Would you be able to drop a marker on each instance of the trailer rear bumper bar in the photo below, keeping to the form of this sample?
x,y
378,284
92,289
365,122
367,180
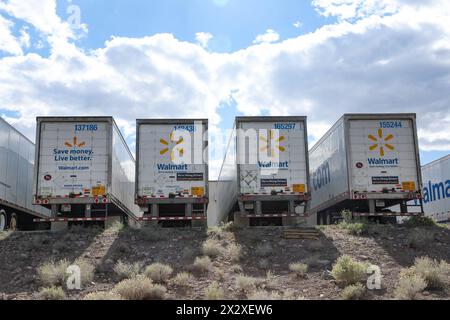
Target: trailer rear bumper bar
x,y
150,201
71,201
279,197
69,219
388,214
386,196
193,218
275,215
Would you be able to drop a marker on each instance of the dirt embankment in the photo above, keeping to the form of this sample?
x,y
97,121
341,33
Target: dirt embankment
x,y
263,259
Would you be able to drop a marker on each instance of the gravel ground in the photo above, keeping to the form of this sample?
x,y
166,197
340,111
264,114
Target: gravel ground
x,y
263,250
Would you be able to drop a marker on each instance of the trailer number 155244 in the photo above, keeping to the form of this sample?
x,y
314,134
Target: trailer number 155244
x,y
390,124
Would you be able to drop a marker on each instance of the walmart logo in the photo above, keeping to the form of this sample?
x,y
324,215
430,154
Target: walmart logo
x,y
272,144
75,143
174,145
381,143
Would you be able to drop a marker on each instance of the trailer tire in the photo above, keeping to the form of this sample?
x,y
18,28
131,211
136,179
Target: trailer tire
x,y
13,222
3,220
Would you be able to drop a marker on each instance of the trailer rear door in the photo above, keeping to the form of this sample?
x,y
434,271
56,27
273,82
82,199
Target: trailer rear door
x,y
383,156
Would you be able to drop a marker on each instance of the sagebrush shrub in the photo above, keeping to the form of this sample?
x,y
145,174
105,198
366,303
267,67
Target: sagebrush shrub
x,y
53,273
102,296
202,264
52,293
246,284
436,274
140,288
127,270
409,286
234,252
183,279
354,292
299,269
347,271
158,272
212,248
214,292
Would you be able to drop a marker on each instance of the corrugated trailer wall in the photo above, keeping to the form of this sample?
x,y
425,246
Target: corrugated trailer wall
x,y
16,173
84,168
436,189
264,179
367,163
172,169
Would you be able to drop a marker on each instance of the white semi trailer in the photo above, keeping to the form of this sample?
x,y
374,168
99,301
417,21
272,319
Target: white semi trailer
x,y
367,163
264,177
16,181
172,170
84,171
436,189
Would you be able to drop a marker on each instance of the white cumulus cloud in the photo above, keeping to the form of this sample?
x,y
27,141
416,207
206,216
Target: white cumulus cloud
x,y
203,38
268,37
393,62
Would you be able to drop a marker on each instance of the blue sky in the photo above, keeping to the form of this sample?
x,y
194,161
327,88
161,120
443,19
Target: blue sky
x,y
234,23
322,59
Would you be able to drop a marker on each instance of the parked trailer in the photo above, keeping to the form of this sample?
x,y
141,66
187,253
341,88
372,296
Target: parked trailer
x,y
367,163
264,179
172,170
436,189
16,181
84,171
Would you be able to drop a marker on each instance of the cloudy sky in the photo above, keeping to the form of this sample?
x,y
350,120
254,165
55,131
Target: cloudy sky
x,y
221,58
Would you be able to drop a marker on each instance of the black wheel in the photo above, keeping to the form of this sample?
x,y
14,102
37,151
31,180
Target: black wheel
x,y
13,222
3,220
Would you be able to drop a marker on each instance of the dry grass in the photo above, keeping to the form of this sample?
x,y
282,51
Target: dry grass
x,y
140,288
52,293
212,248
103,296
214,292
299,269
87,271
409,287
234,252
183,279
436,274
53,273
347,271
202,264
158,272
354,292
246,284
127,270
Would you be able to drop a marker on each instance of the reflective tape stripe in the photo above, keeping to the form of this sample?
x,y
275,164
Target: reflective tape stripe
x,y
69,219
172,218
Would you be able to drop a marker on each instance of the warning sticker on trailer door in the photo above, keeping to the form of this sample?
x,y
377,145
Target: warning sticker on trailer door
x,y
273,183
385,180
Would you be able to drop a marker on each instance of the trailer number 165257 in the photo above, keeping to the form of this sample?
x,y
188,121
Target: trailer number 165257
x,y
390,124
86,127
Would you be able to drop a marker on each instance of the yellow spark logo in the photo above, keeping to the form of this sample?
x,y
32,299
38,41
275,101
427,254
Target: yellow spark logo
x,y
75,143
176,149
272,144
381,142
